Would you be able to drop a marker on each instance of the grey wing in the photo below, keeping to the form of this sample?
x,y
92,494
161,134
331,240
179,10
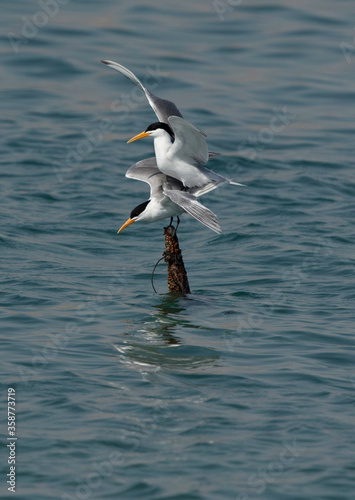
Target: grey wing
x,y
161,107
192,206
189,145
210,186
147,171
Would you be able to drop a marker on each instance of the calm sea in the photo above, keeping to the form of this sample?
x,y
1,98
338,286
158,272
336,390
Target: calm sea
x,y
245,389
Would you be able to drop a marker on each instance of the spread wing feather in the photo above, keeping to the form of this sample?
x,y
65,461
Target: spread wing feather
x,y
189,145
147,171
192,206
161,107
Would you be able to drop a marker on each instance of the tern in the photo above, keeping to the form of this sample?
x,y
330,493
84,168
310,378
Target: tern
x,y
180,148
168,198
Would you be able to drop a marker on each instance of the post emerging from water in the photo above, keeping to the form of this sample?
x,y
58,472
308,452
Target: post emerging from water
x,y
177,276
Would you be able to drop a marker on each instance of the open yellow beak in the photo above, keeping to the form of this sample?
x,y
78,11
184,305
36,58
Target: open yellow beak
x,y
126,224
139,136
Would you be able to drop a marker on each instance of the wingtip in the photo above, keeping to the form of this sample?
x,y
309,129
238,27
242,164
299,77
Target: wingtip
x,y
235,183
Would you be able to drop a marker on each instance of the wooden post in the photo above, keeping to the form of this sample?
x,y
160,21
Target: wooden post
x,y
177,276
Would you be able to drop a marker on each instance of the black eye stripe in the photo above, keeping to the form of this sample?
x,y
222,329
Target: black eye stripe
x,y
164,126
138,210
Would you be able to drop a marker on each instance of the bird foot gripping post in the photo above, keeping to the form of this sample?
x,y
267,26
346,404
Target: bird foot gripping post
x,y
177,276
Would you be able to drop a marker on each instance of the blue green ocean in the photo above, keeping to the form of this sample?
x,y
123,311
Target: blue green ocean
x,y
245,389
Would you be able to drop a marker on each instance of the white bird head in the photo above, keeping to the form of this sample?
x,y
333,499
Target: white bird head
x,y
136,214
157,129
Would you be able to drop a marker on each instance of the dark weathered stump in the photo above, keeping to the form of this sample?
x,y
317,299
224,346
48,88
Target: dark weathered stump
x,y
177,276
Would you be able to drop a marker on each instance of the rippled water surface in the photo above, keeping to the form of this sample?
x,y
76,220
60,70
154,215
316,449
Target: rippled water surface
x,y
244,389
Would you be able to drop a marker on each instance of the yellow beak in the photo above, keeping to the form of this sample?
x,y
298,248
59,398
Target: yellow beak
x,y
139,136
126,224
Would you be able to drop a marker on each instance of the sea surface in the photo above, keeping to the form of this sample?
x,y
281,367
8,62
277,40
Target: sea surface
x,y
245,389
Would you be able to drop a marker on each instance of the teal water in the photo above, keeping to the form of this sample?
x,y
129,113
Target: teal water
x,y
245,389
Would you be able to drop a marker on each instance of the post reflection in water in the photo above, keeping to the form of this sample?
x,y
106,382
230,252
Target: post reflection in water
x,y
167,318
149,344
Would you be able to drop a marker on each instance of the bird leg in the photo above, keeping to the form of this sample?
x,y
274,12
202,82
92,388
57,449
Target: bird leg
x,y
171,223
178,222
